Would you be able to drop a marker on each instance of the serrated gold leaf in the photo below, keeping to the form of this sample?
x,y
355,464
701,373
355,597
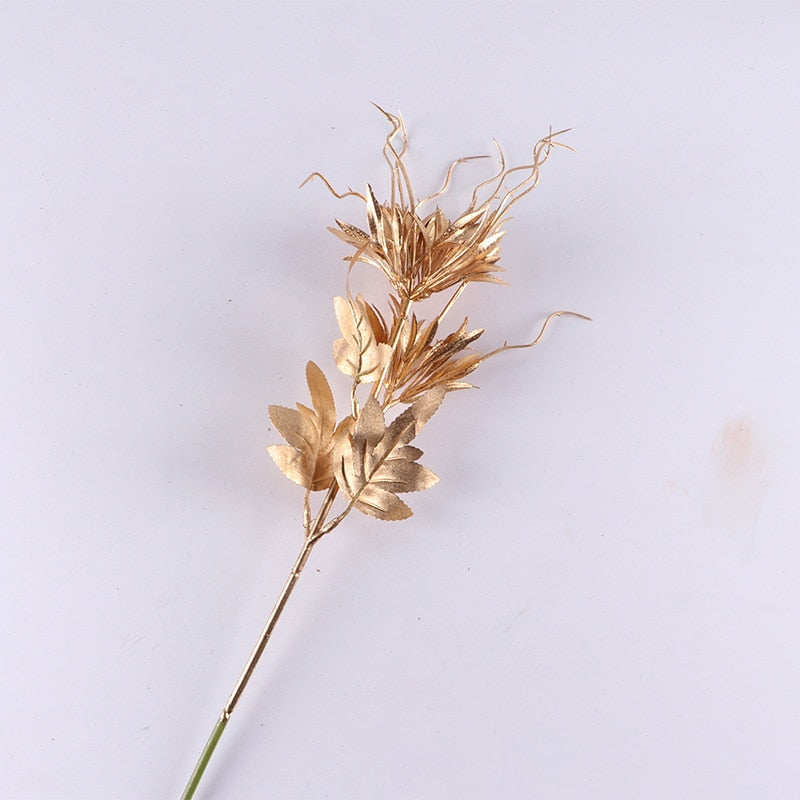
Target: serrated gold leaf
x,y
410,422
359,353
368,432
308,458
370,425
408,452
400,475
385,505
321,398
293,426
291,463
376,462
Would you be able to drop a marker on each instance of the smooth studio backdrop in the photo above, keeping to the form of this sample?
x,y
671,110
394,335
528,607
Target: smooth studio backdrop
x,y
600,599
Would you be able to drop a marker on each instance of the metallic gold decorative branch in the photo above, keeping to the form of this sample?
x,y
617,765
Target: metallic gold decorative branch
x,y
361,458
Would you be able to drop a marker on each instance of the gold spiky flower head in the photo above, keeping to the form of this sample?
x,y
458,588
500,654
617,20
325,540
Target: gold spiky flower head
x,y
424,253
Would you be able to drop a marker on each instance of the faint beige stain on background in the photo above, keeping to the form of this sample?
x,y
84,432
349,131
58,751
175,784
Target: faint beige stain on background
x,y
740,470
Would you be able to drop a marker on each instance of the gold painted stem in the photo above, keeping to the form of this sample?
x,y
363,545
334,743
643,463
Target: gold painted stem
x,y
314,535
269,626
405,308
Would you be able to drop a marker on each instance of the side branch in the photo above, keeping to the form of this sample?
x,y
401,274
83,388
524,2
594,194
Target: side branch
x,y
550,317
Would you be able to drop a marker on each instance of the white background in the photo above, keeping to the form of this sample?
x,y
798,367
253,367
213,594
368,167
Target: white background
x,y
599,600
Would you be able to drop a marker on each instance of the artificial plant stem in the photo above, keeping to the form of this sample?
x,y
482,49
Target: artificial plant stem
x,y
308,543
269,626
205,756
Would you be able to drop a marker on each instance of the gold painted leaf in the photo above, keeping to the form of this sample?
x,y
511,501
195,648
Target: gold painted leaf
x,y
374,216
350,233
383,504
295,427
401,475
308,458
359,353
291,463
321,398
375,462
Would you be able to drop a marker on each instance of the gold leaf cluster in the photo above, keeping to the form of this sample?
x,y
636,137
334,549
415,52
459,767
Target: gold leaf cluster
x,y
424,362
402,358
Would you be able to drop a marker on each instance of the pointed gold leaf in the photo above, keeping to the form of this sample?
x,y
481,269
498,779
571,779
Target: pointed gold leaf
x,y
377,322
377,224
351,232
469,218
373,213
